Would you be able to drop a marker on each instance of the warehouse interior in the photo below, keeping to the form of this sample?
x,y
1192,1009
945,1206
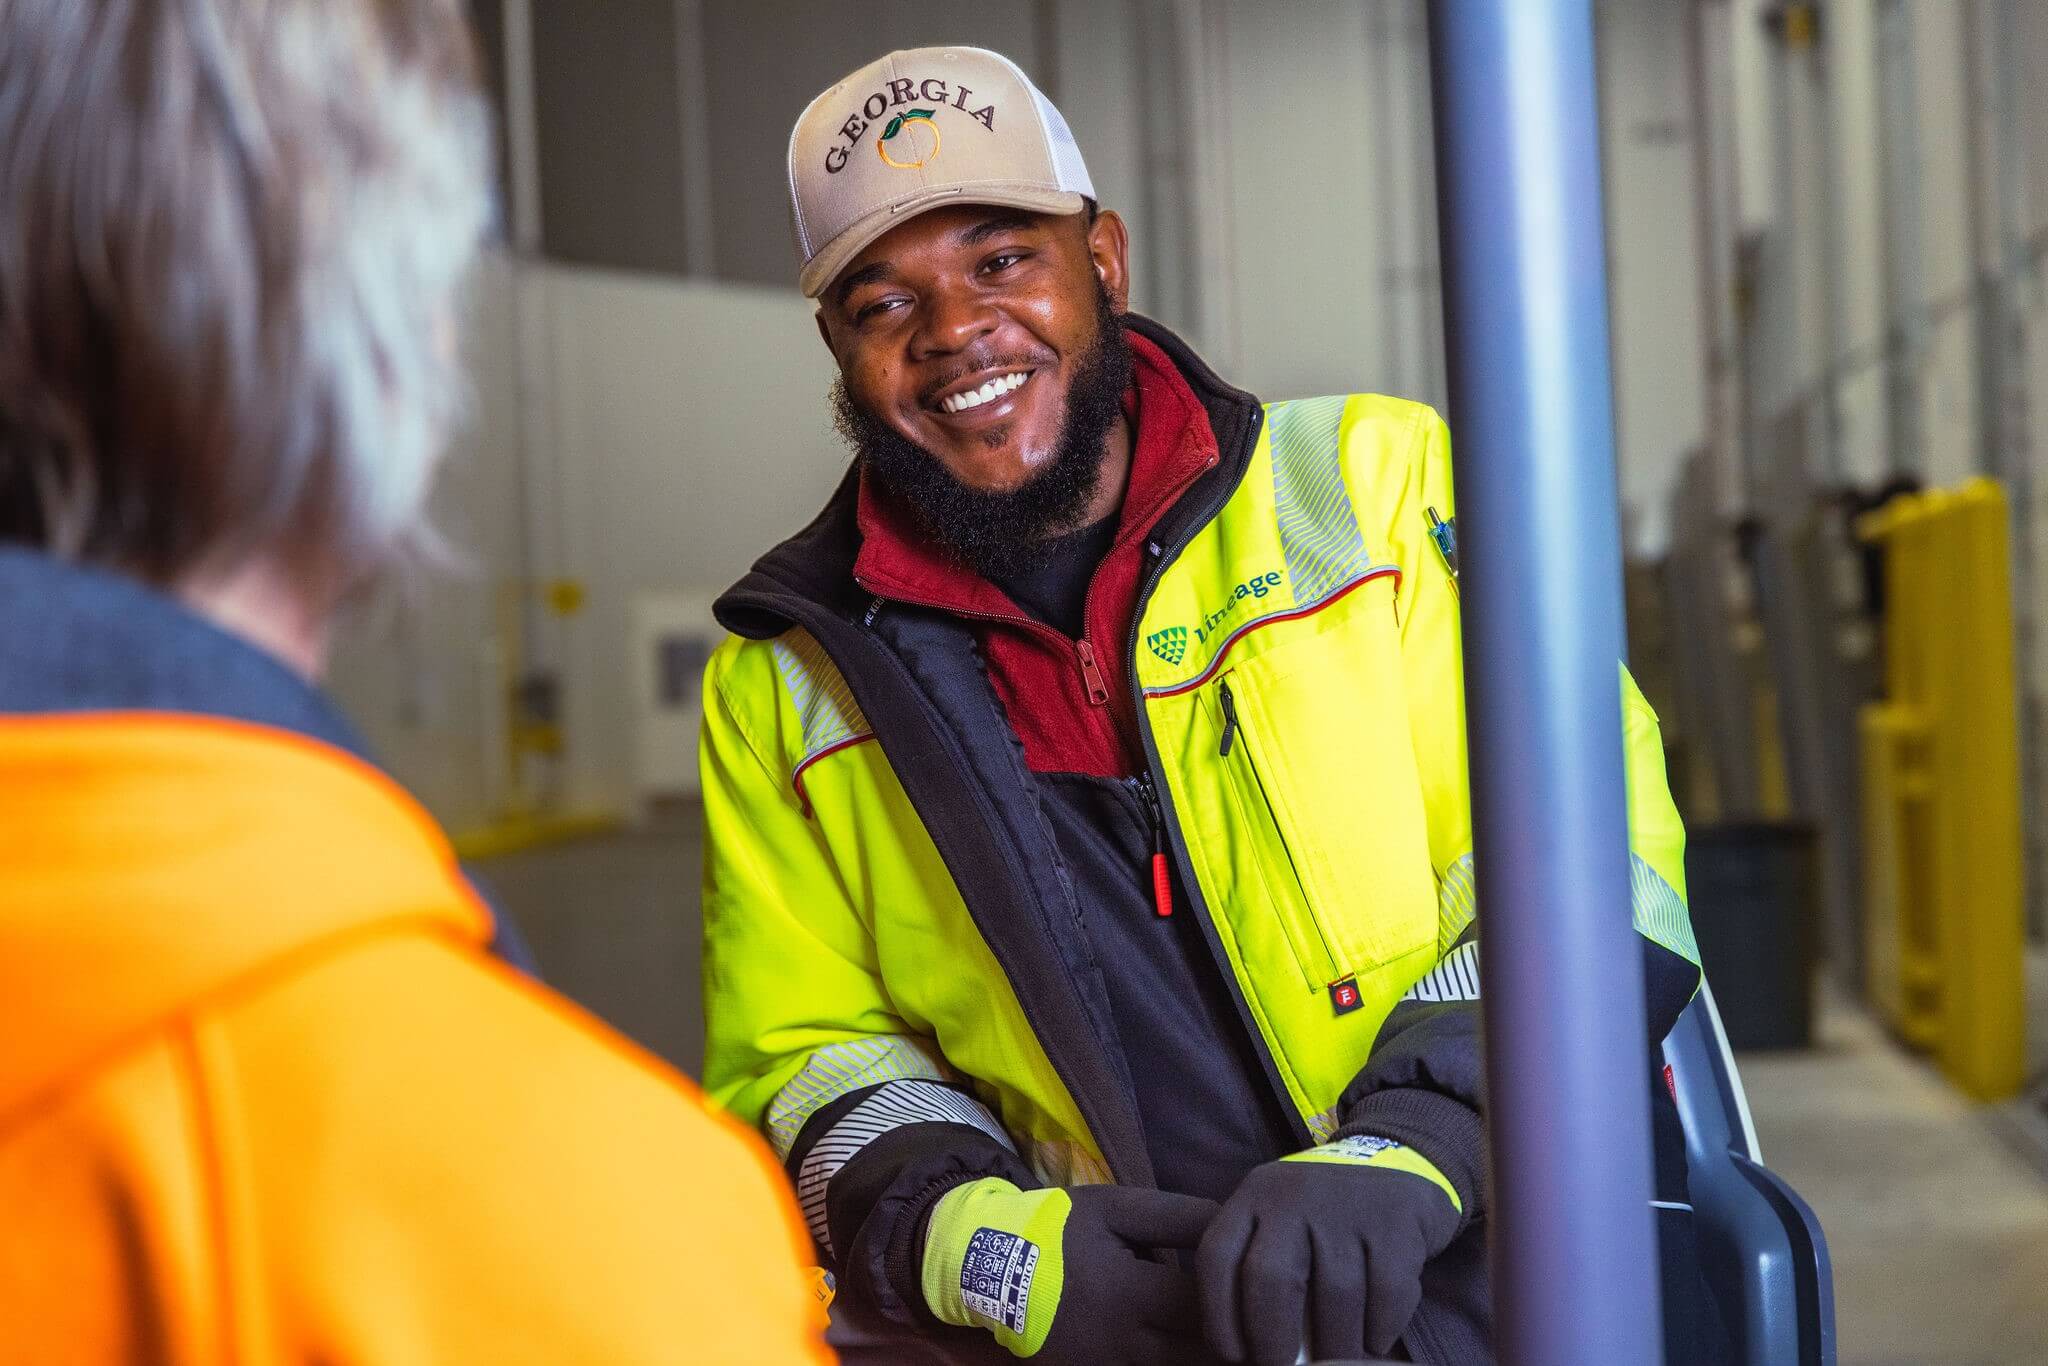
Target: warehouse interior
x,y
1826,226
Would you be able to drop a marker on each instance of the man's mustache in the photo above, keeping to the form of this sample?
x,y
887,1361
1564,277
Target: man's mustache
x,y
974,362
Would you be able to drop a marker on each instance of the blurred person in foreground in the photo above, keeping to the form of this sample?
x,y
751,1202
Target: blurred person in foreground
x,y
1089,871
264,1093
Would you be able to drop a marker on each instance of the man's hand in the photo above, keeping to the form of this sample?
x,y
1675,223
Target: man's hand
x,y
1330,1242
1055,1274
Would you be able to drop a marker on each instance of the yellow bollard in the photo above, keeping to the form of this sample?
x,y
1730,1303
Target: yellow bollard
x,y
1945,924
1984,977
1897,863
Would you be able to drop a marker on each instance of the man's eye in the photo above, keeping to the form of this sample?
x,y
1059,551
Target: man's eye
x,y
869,312
1002,261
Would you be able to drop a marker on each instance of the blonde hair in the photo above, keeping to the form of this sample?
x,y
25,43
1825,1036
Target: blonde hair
x,y
232,236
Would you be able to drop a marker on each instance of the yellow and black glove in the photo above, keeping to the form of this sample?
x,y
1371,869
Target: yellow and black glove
x,y
1057,1275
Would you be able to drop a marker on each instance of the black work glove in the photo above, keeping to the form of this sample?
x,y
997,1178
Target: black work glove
x,y
1055,1274
1327,1243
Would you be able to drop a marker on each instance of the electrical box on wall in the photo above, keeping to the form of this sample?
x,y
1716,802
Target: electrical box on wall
x,y
670,638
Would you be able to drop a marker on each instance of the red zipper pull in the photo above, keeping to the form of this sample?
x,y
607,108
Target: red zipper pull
x,y
1162,876
1098,691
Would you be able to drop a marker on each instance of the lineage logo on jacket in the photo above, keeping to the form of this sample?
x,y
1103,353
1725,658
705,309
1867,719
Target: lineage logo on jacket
x,y
1171,644
1257,586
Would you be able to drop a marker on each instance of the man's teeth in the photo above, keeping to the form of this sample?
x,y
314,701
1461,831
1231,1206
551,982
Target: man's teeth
x,y
974,398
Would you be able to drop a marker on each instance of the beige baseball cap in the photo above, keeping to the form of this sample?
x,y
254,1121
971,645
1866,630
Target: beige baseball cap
x,y
915,130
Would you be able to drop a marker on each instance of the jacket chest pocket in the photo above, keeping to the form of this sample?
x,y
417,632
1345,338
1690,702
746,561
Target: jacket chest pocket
x,y
1313,750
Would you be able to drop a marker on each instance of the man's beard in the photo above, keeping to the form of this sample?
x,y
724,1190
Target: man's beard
x,y
1001,534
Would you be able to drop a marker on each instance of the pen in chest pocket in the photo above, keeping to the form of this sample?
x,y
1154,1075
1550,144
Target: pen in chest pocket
x,y
1445,534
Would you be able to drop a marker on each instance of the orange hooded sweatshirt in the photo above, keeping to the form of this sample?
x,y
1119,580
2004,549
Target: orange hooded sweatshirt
x,y
264,1097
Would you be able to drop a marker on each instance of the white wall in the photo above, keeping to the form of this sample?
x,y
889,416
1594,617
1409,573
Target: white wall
x,y
1857,178
1327,203
690,433
1943,325
1331,221
1653,253
2031,289
695,435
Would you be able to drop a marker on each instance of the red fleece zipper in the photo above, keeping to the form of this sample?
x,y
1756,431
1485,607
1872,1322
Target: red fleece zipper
x,y
1098,691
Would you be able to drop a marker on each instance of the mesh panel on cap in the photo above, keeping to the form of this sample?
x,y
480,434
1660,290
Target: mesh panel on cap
x,y
1067,165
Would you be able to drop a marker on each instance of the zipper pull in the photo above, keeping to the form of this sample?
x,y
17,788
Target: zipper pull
x,y
1229,717
874,610
1098,691
1162,876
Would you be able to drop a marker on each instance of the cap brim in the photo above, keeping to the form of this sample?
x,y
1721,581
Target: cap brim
x,y
821,270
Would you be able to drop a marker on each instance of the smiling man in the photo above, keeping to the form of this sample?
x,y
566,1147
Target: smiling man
x,y
1088,867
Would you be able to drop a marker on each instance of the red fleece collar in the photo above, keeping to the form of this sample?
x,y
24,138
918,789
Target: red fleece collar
x,y
1173,446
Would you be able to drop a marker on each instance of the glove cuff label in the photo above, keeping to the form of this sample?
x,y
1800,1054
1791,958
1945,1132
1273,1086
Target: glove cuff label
x,y
1367,1150
1359,1147
995,1278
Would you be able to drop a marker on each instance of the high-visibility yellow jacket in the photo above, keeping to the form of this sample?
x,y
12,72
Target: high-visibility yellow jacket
x,y
878,948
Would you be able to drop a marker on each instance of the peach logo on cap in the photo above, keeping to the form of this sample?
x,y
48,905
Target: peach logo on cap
x,y
918,124
921,147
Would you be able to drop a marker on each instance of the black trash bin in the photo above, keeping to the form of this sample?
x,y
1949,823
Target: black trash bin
x,y
1755,892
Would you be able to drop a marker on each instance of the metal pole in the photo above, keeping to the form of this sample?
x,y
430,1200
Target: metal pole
x,y
1525,297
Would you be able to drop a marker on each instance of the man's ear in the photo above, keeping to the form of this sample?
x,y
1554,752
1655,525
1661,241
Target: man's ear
x,y
1109,247
824,332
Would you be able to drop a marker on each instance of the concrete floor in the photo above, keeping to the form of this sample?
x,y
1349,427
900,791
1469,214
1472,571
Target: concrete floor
x,y
1939,1228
